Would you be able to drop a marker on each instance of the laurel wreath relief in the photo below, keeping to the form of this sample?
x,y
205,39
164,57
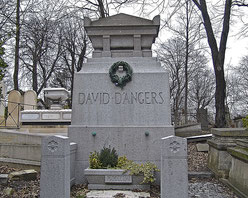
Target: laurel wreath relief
x,y
117,80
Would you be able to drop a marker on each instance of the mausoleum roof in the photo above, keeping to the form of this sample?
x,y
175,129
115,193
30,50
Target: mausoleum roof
x,y
122,20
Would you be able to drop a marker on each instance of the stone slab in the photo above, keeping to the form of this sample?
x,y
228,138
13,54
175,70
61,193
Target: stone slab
x,y
242,143
21,151
30,100
234,188
118,187
230,132
199,138
8,191
41,116
114,193
3,178
238,173
118,179
202,147
142,102
19,163
25,175
200,175
14,99
115,179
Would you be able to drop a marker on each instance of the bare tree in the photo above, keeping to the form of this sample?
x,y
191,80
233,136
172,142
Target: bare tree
x,y
202,84
237,88
172,56
187,27
75,52
41,44
218,51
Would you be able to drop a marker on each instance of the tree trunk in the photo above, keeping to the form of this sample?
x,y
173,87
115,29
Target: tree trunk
x,y
17,46
220,96
101,9
218,57
186,64
34,74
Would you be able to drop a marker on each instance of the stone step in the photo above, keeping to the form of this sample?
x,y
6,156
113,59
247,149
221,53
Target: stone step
x,y
116,193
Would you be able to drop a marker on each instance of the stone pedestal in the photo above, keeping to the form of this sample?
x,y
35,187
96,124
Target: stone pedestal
x,y
55,167
174,168
219,160
132,119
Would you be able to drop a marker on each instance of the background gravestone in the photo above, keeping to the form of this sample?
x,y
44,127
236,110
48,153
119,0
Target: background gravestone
x,y
132,118
30,100
14,99
2,102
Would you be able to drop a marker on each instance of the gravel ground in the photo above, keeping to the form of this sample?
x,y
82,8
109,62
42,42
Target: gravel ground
x,y
197,161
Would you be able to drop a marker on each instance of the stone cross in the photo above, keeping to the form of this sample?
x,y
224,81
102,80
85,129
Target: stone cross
x,y
174,167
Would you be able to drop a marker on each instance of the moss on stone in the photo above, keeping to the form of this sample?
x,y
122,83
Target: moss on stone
x,y
240,153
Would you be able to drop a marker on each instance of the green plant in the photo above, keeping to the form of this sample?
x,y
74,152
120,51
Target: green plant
x,y
148,169
245,122
108,157
122,161
94,160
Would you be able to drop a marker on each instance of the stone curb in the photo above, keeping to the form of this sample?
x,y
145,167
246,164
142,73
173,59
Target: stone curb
x,y
201,175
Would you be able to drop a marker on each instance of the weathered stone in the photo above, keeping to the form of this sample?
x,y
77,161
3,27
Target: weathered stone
x,y
239,167
55,167
8,191
174,168
41,116
115,193
219,160
57,96
131,36
3,178
2,105
30,100
202,117
25,175
14,101
115,179
202,147
132,119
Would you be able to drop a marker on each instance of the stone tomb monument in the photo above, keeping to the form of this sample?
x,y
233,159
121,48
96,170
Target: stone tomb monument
x,y
121,95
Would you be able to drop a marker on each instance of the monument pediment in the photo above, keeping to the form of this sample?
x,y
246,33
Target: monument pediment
x,y
122,20
122,35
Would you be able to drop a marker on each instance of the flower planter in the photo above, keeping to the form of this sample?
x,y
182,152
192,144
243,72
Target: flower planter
x,y
115,179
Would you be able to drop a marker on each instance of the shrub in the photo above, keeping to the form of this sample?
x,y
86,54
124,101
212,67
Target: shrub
x,y
148,169
122,162
108,157
94,160
245,122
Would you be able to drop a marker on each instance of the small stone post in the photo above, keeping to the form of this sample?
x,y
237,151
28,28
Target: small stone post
x,y
55,167
174,168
